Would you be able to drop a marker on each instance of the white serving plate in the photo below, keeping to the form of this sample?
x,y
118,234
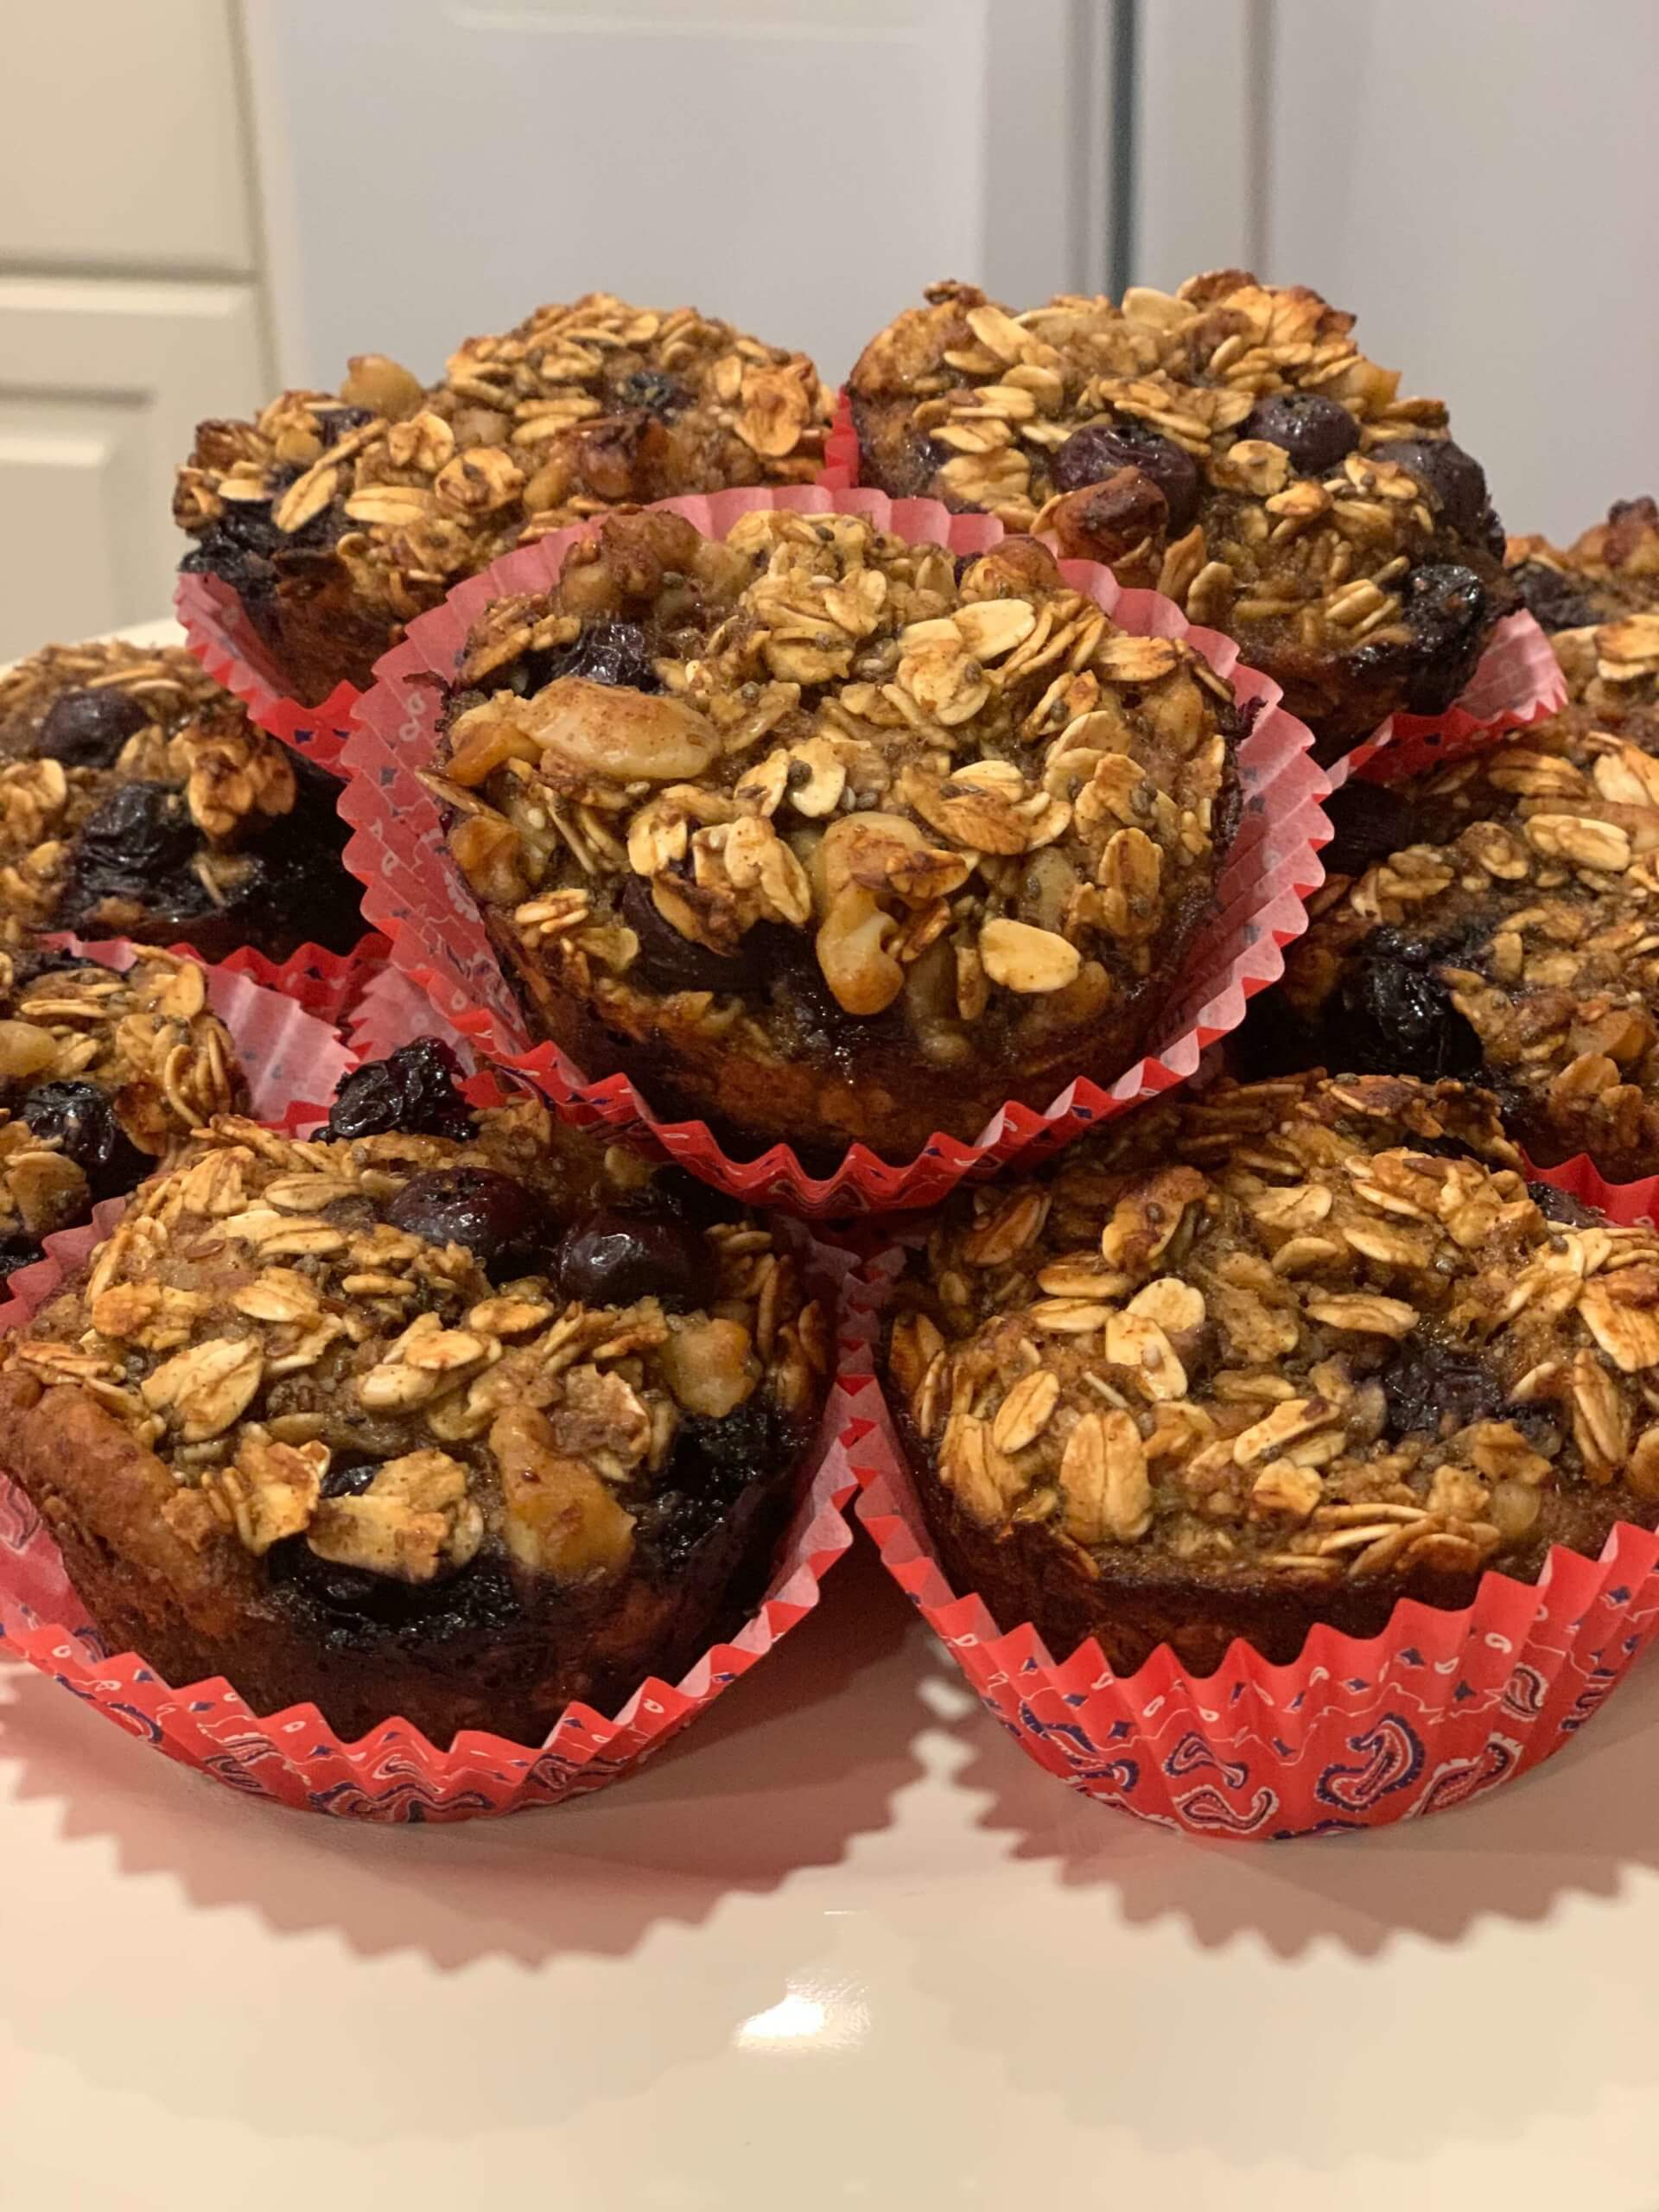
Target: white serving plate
x,y
842,1946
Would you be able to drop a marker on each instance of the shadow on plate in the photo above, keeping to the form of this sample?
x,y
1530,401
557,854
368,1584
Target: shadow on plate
x,y
804,1754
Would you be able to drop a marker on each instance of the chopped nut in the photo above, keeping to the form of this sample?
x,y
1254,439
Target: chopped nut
x,y
1021,958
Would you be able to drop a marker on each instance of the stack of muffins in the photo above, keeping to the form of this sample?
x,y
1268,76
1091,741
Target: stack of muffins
x,y
831,828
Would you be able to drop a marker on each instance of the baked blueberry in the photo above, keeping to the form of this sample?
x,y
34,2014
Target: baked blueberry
x,y
500,1220
79,1119
1100,449
413,1089
87,729
1251,409
1316,432
615,1258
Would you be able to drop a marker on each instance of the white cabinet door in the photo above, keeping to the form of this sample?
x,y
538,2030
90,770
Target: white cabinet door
x,y
124,147
101,386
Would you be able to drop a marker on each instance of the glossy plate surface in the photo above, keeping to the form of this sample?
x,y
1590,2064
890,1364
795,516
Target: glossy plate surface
x,y
845,1946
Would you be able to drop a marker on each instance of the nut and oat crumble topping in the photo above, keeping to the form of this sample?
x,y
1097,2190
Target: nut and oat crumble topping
x,y
1311,1331
101,1075
369,1345
978,801
1228,444
578,408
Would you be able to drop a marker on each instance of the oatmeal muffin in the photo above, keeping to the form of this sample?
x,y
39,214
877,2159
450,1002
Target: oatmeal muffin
x,y
338,519
1282,1355
1228,445
1613,569
101,1076
1498,919
820,839
137,800
451,1416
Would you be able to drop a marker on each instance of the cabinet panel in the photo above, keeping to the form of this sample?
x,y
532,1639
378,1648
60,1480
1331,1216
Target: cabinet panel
x,y
122,140
101,386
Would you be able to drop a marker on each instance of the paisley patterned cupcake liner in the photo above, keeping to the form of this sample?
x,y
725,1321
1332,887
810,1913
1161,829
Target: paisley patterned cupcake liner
x,y
1354,1733
1518,680
415,894
394,1773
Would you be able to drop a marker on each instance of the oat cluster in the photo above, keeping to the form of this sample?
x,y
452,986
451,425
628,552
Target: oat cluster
x,y
580,408
195,737
973,402
975,792
308,1369
1311,1331
1531,899
145,1037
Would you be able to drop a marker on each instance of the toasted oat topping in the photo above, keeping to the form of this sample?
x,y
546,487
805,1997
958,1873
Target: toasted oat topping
x,y
1310,1330
145,1040
1529,901
1146,435
580,408
189,735
1611,570
976,792
274,1320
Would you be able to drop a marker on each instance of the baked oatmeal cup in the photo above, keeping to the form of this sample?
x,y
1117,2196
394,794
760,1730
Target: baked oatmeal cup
x,y
446,1414
137,800
1227,444
1277,1355
1496,918
1609,570
336,518
103,1074
823,836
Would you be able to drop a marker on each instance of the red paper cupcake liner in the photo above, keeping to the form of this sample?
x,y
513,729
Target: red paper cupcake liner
x,y
330,985
416,896
1517,682
219,634
393,1010
840,470
394,1773
1354,1733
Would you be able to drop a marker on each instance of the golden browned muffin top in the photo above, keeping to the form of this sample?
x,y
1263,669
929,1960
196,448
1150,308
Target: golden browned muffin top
x,y
971,794
580,407
405,1350
1228,443
1309,1329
